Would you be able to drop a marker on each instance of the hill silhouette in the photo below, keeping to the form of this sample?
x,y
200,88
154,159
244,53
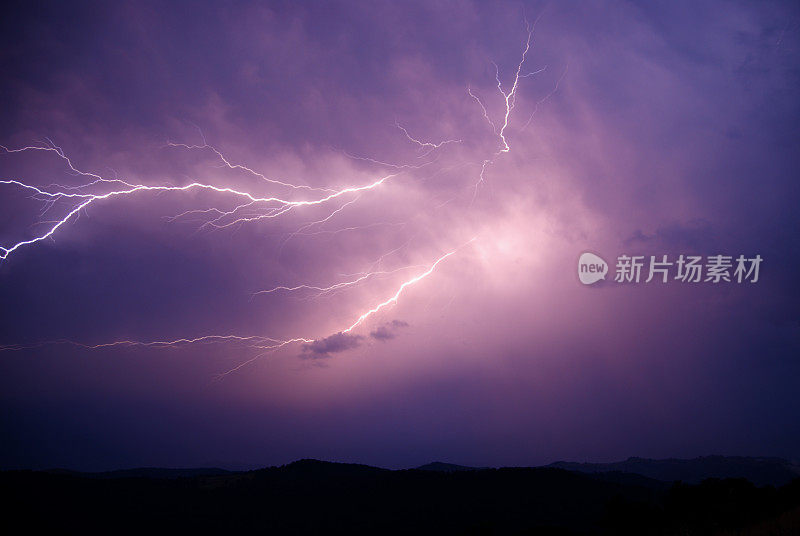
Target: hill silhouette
x,y
446,467
760,471
315,497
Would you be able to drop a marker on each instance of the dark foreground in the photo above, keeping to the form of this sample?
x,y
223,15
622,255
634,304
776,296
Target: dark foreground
x,y
311,497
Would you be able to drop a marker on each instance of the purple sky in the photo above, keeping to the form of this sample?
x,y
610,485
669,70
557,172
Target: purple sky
x,y
653,128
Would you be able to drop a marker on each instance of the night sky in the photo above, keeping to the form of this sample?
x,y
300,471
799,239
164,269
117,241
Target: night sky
x,y
652,128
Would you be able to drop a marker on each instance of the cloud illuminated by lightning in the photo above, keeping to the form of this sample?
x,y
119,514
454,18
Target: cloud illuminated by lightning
x,y
249,207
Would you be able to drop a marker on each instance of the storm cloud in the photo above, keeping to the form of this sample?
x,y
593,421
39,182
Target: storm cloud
x,y
645,128
338,342
388,330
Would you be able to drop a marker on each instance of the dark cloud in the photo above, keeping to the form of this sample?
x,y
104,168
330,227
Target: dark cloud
x,y
696,235
388,330
333,344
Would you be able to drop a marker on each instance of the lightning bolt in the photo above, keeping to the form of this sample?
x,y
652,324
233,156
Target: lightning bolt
x,y
392,300
256,342
84,200
337,286
430,146
509,100
241,167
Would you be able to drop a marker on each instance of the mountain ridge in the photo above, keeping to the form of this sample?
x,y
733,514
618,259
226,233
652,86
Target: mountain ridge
x,y
315,497
760,471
